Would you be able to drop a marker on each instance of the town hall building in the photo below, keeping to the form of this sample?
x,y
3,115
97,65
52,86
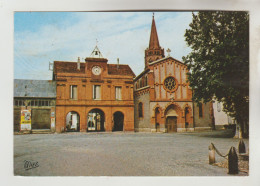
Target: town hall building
x,y
93,95
163,97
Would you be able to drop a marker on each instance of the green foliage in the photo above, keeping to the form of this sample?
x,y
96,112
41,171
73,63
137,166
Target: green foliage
x,y
219,61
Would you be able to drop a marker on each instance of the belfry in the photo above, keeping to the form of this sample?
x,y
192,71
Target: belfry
x,y
154,51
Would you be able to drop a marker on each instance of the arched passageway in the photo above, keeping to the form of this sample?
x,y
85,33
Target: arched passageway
x,y
96,120
72,122
118,121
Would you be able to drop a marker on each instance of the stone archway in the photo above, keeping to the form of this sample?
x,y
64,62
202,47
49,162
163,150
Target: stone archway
x,y
172,117
72,122
95,120
118,121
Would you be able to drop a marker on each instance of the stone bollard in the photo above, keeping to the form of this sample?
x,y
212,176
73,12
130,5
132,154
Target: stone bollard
x,y
241,147
232,161
211,154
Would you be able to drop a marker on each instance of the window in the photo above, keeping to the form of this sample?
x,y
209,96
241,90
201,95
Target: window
x,y
218,107
97,92
118,93
170,84
146,81
140,110
140,83
200,110
73,92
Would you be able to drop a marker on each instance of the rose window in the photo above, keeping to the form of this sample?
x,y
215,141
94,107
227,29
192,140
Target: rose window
x,y
170,84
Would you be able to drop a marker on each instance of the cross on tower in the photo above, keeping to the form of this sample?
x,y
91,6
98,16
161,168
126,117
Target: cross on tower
x,y
168,51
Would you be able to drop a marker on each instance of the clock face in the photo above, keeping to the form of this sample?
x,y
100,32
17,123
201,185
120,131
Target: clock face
x,y
96,70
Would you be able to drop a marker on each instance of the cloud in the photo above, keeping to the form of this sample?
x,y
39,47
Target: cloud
x,y
120,35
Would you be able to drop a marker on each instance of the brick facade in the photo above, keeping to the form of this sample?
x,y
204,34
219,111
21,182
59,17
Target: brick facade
x,y
82,76
164,91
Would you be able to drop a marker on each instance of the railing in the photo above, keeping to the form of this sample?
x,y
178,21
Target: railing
x,y
231,156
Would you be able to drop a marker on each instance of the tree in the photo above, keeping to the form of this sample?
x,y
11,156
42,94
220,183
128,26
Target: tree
x,y
219,61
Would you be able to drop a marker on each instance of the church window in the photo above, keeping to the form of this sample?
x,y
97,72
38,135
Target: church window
x,y
140,83
170,84
140,110
146,81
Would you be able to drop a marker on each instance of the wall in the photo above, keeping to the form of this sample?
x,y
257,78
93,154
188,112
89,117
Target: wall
x,y
206,121
142,124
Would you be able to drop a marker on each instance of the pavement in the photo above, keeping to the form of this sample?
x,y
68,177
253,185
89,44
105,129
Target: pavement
x,y
121,154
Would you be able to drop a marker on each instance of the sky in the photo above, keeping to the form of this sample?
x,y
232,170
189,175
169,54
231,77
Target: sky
x,y
43,37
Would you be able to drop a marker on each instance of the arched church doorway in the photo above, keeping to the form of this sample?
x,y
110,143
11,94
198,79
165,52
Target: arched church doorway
x,y
72,122
171,124
157,119
171,119
96,120
118,121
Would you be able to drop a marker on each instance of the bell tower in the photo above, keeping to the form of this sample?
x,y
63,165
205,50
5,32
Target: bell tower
x,y
154,51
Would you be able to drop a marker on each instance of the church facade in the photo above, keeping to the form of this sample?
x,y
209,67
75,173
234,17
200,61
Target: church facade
x,y
162,96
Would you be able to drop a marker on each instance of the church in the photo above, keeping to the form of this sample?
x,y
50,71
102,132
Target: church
x,y
163,97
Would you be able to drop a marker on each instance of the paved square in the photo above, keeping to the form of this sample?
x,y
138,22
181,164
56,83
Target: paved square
x,y
121,154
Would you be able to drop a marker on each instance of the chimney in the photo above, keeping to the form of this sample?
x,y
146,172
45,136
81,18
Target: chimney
x,y
78,63
117,63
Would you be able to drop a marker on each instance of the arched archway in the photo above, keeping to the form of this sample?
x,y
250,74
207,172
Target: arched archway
x,y
172,115
118,121
95,120
72,122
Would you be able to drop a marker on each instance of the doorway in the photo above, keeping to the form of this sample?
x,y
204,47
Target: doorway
x,y
118,121
171,124
95,121
72,122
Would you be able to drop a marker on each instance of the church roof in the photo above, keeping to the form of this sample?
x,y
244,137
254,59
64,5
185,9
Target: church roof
x,y
154,41
160,60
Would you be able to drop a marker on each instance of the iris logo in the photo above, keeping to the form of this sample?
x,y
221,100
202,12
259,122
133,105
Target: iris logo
x,y
30,165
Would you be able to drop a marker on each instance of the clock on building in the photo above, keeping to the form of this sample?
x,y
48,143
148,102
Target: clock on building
x,y
96,70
